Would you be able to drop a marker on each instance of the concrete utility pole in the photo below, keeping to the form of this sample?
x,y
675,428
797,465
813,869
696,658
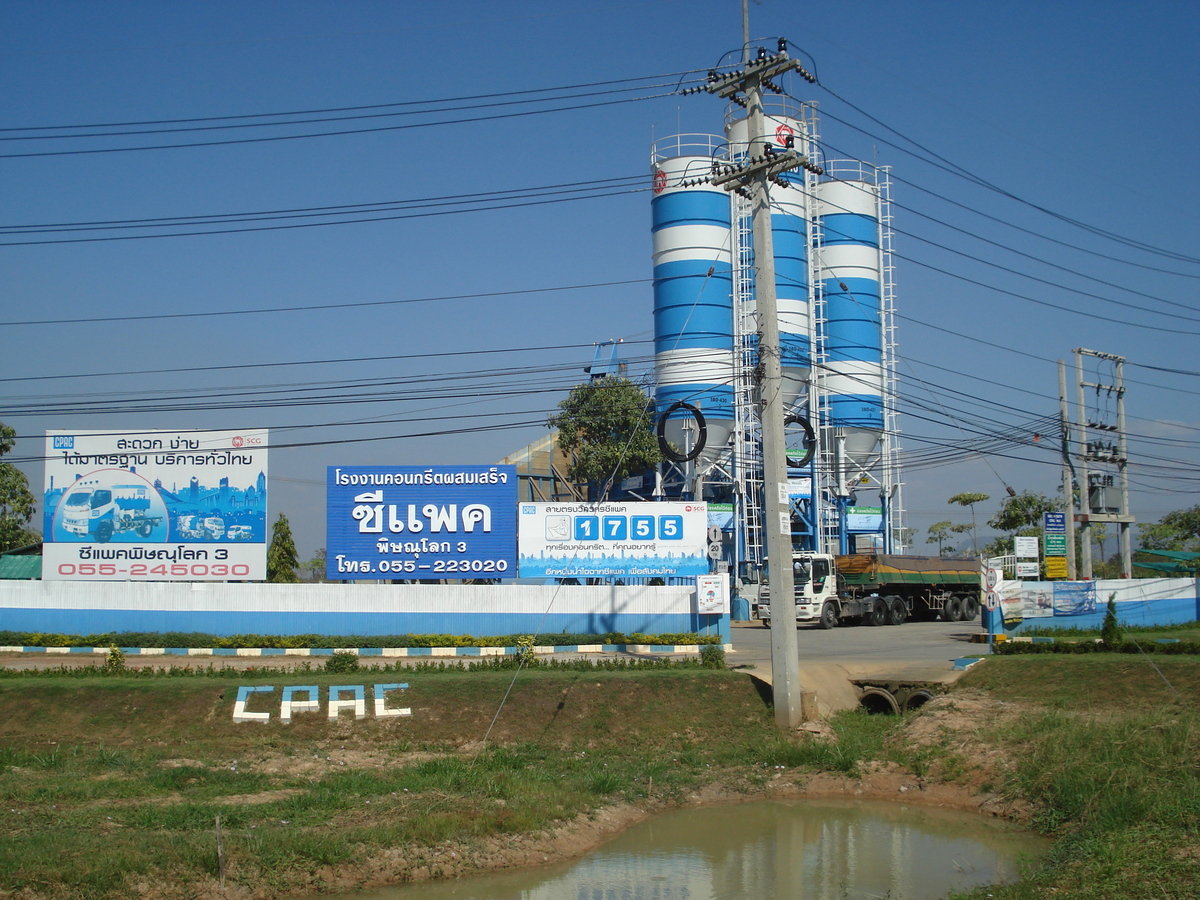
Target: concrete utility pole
x,y
1095,489
1068,480
761,164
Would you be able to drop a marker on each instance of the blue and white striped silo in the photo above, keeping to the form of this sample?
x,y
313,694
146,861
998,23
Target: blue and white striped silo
x,y
693,313
789,234
849,267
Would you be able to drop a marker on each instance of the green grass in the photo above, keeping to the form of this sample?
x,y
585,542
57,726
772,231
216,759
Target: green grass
x,y
1103,749
1188,631
1111,759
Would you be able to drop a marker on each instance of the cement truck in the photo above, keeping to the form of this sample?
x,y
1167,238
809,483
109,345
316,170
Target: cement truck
x,y
101,512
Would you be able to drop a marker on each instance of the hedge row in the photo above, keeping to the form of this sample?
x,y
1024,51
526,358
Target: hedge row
x,y
1180,648
175,639
710,658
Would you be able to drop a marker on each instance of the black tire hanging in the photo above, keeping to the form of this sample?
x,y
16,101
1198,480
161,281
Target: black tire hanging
x,y
667,450
810,440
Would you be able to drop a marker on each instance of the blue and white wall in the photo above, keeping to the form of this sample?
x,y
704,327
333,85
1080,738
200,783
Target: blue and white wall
x,y
1082,604
93,607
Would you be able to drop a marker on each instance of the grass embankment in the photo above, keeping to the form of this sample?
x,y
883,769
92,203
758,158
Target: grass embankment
x,y
114,783
1189,631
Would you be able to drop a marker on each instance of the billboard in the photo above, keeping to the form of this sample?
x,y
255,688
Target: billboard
x,y
639,539
155,506
415,522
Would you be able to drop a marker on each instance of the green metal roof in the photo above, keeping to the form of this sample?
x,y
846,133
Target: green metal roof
x,y
20,567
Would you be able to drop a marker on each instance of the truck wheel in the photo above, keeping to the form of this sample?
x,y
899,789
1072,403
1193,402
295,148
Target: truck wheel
x,y
897,610
952,611
104,532
970,609
829,616
877,614
145,529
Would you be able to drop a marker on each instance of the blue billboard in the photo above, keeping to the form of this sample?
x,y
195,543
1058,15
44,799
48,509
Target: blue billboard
x,y
415,522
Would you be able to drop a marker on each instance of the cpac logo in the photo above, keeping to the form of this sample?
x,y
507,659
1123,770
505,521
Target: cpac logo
x,y
350,698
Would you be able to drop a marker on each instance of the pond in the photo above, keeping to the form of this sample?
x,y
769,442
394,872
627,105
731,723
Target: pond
x,y
801,850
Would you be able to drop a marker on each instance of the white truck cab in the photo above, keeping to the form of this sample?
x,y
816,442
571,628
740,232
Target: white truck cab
x,y
815,590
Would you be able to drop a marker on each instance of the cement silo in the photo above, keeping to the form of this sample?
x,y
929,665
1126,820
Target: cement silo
x,y
693,314
850,274
786,129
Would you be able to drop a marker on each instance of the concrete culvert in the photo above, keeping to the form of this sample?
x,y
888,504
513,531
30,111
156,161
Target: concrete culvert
x,y
877,700
917,699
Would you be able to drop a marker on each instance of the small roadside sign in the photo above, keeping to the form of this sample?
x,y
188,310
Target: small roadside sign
x,y
1027,570
993,601
1056,545
1056,567
1026,547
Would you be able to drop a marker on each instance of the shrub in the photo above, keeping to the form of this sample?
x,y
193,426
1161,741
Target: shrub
x,y
1110,631
116,659
712,656
342,663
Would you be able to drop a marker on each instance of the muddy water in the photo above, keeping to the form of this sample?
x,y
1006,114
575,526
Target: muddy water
x,y
801,850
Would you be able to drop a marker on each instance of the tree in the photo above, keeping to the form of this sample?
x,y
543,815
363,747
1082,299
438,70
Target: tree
x,y
281,555
1178,530
1020,515
605,430
1110,631
939,533
17,503
314,569
970,499
1023,510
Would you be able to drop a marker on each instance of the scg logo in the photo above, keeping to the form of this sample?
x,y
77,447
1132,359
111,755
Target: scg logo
x,y
239,441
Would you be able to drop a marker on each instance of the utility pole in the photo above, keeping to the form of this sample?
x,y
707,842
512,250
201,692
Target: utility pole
x,y
762,164
1096,488
1068,480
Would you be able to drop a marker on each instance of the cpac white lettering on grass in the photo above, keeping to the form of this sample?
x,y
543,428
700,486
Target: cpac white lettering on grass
x,y
307,698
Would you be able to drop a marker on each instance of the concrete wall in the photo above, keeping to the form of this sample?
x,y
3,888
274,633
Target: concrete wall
x,y
92,607
1082,604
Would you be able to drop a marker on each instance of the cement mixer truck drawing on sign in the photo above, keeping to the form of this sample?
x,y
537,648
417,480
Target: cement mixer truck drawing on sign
x,y
102,511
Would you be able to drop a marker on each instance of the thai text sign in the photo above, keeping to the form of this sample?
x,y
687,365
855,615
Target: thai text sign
x,y
421,522
155,506
1056,567
585,540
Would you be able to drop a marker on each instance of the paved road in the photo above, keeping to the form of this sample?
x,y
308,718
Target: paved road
x,y
832,661
912,642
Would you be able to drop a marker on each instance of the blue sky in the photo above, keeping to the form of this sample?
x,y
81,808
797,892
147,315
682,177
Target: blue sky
x,y
1080,118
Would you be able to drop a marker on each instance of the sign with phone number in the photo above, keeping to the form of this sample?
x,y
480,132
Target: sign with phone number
x,y
164,562
638,539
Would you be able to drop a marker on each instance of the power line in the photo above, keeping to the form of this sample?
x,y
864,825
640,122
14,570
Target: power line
x,y
295,309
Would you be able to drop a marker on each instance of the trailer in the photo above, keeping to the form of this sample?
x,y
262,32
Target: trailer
x,y
880,589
